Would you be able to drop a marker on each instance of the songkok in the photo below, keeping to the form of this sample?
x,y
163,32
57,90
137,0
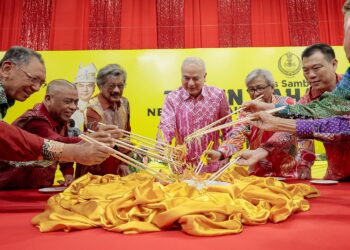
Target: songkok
x,y
86,74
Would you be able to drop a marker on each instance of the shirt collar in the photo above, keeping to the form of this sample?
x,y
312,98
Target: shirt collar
x,y
315,94
339,77
3,97
273,99
105,104
185,95
5,103
41,107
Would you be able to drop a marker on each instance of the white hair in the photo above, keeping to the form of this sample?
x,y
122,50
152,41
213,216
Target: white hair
x,y
260,72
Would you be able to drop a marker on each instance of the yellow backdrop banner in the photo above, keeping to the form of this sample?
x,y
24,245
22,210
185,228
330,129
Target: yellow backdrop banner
x,y
153,73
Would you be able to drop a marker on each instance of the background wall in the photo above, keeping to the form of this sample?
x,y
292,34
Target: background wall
x,y
151,73
124,25
151,24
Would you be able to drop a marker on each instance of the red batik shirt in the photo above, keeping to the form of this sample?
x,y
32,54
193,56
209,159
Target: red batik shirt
x,y
39,121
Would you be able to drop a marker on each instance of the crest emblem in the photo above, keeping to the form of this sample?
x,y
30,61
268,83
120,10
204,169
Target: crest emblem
x,y
289,64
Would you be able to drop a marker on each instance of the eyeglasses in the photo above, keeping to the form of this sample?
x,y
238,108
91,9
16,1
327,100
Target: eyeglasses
x,y
33,79
258,89
113,86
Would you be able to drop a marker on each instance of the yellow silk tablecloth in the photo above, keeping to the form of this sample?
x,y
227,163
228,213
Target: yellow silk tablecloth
x,y
136,203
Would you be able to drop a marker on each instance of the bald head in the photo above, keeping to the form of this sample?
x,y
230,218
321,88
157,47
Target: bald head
x,y
61,100
59,85
194,60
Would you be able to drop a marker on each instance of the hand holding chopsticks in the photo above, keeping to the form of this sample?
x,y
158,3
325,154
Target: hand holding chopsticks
x,y
220,172
243,120
161,149
203,158
128,160
198,132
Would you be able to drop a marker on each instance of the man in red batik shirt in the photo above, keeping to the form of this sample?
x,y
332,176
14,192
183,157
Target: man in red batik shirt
x,y
49,120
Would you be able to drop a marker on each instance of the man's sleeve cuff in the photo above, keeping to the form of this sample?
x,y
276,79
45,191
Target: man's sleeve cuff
x,y
305,128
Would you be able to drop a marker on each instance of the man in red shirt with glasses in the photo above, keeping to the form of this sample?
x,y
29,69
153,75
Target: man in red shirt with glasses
x,y
22,72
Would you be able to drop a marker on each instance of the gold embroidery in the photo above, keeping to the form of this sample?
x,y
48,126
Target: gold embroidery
x,y
52,150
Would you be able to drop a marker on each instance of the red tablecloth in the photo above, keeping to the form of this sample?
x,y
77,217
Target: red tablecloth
x,y
325,226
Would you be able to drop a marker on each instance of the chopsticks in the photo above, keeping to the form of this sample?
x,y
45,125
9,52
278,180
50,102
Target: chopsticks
x,y
217,174
245,119
203,158
199,131
131,147
128,160
142,138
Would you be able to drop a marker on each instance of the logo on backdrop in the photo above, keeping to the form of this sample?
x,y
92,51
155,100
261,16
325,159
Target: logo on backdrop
x,y
289,64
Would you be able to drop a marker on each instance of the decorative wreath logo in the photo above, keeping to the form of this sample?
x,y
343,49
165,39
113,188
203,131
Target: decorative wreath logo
x,y
289,64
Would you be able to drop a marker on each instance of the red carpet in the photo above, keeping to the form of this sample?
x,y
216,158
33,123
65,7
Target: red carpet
x,y
325,226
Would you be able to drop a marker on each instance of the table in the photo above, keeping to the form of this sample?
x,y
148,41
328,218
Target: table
x,y
325,226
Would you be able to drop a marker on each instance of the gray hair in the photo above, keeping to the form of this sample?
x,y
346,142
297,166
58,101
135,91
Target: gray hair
x,y
110,70
20,55
260,72
194,60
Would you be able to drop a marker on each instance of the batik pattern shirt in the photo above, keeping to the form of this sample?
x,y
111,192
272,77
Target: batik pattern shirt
x,y
333,103
183,114
334,132
40,122
306,153
5,103
19,145
101,110
333,129
282,163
